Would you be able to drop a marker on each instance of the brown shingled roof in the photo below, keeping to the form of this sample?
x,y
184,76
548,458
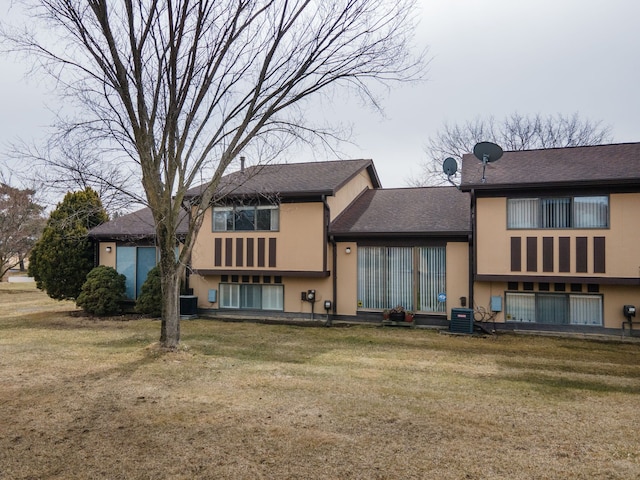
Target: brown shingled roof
x,y
616,164
293,179
406,211
135,225
283,180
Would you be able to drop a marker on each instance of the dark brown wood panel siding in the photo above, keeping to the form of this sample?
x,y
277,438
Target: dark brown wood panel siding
x,y
239,252
581,254
272,252
516,254
547,254
228,252
217,252
599,255
261,251
532,254
249,252
564,254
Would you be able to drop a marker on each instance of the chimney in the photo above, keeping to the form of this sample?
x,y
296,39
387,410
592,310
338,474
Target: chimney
x,y
242,164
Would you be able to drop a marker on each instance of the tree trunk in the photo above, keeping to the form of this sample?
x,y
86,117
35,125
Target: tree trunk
x,y
170,280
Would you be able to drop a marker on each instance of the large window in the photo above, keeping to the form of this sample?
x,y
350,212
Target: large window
x,y
554,308
558,212
407,276
252,296
135,263
246,218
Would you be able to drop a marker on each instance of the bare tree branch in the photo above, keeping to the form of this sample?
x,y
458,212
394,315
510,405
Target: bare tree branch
x,y
514,132
184,86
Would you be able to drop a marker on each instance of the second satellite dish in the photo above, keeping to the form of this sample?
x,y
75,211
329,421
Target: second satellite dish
x,y
450,166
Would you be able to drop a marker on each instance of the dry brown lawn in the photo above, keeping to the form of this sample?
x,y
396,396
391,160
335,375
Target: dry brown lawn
x,y
96,399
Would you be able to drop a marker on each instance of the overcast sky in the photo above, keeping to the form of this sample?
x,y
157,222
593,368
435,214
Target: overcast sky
x,y
489,58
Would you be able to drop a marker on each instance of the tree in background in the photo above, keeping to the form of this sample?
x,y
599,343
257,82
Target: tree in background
x,y
21,222
62,258
183,88
514,132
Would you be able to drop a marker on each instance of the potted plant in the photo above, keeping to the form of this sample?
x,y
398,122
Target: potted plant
x,y
408,316
397,313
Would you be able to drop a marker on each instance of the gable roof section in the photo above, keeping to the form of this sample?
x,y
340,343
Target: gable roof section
x,y
292,179
430,211
283,180
599,165
136,225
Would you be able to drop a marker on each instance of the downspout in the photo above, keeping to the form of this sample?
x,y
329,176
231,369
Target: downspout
x,y
334,275
472,249
334,257
327,218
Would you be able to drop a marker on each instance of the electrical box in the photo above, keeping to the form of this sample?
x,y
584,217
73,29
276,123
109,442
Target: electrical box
x,y
629,311
213,295
496,303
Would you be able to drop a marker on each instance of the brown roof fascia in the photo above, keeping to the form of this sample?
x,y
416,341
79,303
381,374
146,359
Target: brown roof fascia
x,y
629,184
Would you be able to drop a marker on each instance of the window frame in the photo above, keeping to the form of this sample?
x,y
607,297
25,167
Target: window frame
x,y
545,209
411,276
232,217
240,293
571,304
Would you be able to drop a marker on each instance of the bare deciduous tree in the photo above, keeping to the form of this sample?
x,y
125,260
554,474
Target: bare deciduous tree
x,y
21,223
184,86
514,132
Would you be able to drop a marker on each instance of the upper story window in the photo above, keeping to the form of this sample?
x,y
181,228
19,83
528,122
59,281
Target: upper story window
x,y
246,218
558,212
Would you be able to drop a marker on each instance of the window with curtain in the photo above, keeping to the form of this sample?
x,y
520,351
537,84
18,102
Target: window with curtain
x,y
591,212
432,278
522,213
554,308
387,277
251,296
558,212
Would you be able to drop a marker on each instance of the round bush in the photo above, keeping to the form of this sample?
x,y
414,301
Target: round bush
x,y
102,292
150,299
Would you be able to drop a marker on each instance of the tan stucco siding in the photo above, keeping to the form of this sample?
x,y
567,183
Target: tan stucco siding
x,y
492,236
614,297
347,278
107,258
348,193
299,242
622,247
457,274
292,288
622,257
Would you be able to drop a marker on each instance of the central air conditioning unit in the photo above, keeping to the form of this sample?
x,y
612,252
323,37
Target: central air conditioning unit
x,y
461,320
188,306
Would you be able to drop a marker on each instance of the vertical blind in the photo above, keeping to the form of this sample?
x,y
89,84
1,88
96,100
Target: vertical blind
x,y
558,212
386,277
586,310
522,213
591,212
432,278
554,308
